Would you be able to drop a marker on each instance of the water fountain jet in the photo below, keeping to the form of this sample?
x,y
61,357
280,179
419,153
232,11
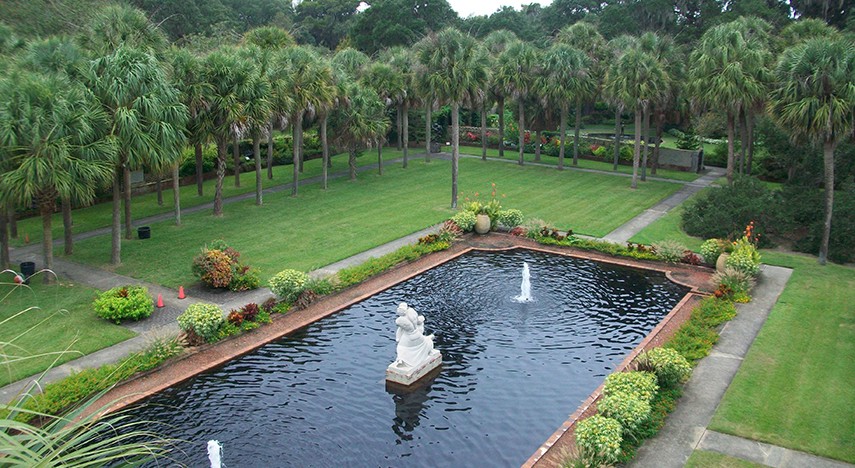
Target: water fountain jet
x,y
525,287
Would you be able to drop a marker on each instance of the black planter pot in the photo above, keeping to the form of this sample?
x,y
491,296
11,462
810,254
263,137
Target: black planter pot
x,y
144,232
434,147
28,269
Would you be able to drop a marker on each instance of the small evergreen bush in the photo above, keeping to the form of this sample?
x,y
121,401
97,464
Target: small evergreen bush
x,y
627,408
642,384
670,367
202,319
510,218
711,249
744,258
724,212
124,303
288,284
465,220
598,439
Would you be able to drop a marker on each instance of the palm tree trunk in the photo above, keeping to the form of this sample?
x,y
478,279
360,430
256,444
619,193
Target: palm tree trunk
x,y
379,156
483,131
300,146
730,135
325,150
256,153
4,239
127,203
116,252
67,225
296,128
500,104
158,185
13,222
399,124
176,194
750,117
646,133
47,240
743,142
427,132
199,176
405,129
618,136
578,125
236,157
522,130
455,150
637,153
270,150
351,164
660,123
221,175
828,163
562,142
537,142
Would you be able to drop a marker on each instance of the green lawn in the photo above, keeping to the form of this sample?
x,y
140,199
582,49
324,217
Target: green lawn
x,y
705,459
795,386
321,227
668,228
63,321
100,215
513,155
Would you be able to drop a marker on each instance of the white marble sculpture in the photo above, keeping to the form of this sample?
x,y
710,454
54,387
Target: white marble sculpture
x,y
415,353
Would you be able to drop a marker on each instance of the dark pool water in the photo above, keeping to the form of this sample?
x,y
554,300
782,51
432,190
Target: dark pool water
x,y
512,373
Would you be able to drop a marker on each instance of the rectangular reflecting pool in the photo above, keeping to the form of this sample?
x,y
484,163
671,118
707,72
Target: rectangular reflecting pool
x,y
511,374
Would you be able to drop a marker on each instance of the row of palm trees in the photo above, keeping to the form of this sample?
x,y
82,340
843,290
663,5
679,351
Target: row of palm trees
x,y
77,115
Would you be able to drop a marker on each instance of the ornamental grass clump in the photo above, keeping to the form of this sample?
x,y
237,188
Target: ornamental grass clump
x,y
201,322
642,384
598,439
670,367
288,284
627,408
124,303
669,250
733,284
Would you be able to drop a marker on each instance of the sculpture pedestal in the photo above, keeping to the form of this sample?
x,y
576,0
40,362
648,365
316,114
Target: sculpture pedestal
x,y
407,376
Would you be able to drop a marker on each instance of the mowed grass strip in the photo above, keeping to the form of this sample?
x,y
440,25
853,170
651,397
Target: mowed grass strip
x,y
668,228
61,321
795,386
321,227
706,459
145,205
513,155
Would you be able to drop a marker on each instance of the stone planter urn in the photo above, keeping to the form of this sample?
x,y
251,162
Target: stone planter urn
x,y
719,263
482,224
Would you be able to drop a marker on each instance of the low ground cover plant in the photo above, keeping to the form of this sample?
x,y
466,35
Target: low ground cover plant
x,y
124,303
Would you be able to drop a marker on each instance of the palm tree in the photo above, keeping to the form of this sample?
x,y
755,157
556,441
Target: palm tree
x,y
304,77
359,123
389,86
232,83
516,72
728,69
636,80
402,60
118,26
814,100
55,137
186,72
496,43
567,78
454,65
259,111
147,120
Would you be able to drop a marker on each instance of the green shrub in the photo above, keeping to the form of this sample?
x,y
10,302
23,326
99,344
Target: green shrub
x,y
669,250
696,337
724,212
670,367
627,408
218,266
711,249
244,279
464,219
733,284
288,284
744,258
800,215
357,274
598,439
124,303
202,319
642,384
510,218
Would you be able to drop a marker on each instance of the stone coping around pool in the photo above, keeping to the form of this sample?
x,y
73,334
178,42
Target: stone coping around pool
x,y
207,357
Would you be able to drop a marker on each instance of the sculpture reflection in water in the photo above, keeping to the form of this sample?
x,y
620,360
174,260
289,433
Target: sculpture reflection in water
x,y
416,357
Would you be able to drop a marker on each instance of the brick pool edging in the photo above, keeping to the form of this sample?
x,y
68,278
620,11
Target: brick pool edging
x,y
210,356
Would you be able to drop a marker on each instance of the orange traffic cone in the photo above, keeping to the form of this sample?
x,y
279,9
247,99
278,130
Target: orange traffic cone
x,y
160,300
26,238
181,292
